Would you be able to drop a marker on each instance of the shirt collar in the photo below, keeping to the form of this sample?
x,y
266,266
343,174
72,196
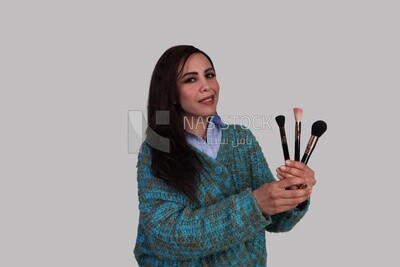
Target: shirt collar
x,y
217,124
216,120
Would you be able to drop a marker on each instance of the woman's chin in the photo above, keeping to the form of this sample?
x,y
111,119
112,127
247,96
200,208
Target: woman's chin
x,y
201,113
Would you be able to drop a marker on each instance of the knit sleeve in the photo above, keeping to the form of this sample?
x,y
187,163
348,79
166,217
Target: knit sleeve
x,y
176,231
261,173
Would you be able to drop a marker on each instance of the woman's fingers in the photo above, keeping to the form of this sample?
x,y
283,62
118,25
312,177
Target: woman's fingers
x,y
290,181
296,169
299,165
274,198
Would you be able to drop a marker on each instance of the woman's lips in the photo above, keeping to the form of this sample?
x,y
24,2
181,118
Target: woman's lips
x,y
207,100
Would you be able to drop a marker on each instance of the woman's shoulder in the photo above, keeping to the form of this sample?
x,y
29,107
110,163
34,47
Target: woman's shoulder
x,y
145,148
144,155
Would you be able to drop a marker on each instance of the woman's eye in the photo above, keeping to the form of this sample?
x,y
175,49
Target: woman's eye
x,y
190,80
210,75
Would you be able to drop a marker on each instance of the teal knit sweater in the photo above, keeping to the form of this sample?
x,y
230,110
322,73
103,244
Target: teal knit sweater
x,y
225,227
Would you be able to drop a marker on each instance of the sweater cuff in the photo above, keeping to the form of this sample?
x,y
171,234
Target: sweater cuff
x,y
303,206
258,215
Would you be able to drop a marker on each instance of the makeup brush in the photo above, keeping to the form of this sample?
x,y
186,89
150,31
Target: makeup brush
x,y
298,114
280,120
318,128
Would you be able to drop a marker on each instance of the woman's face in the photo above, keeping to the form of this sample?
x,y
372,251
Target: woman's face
x,y
198,87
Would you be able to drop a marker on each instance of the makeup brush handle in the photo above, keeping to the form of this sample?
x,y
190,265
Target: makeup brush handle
x,y
305,158
297,135
284,143
285,152
297,150
309,149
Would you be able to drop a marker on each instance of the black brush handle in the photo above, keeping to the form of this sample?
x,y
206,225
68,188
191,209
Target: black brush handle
x,y
297,150
309,149
297,141
284,144
305,158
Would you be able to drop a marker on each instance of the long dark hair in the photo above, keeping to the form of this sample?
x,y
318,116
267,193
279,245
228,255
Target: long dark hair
x,y
177,163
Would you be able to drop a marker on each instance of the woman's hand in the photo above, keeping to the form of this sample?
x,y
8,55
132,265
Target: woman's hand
x,y
275,198
296,169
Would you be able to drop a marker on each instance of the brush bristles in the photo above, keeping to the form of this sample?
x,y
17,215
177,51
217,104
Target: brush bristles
x,y
280,120
298,114
318,128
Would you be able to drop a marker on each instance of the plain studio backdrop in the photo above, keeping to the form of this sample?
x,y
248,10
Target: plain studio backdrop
x,y
71,70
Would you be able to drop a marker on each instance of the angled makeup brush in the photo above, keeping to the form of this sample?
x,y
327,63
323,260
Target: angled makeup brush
x,y
280,120
298,114
318,128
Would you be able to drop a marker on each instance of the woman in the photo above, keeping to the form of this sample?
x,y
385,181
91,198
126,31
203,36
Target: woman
x,y
207,197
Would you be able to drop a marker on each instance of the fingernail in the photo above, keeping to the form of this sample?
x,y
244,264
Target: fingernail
x,y
288,162
283,167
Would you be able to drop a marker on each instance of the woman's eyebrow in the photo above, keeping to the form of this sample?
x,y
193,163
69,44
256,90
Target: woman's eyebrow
x,y
196,73
189,73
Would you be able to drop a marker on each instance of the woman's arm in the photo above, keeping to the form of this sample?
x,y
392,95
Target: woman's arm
x,y
176,231
261,174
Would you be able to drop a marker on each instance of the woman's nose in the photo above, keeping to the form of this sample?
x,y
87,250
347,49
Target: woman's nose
x,y
205,86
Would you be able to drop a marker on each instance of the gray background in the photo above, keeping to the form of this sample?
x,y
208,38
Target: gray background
x,y
70,71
